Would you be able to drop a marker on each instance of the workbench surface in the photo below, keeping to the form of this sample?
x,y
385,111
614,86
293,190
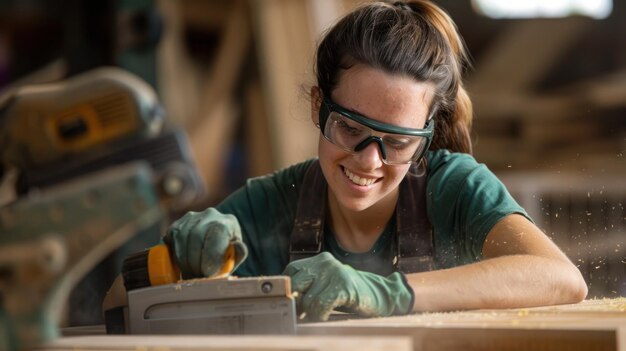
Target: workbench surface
x,y
589,326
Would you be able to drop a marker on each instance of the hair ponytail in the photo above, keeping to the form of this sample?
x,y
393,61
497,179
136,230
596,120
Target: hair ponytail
x,y
452,131
453,126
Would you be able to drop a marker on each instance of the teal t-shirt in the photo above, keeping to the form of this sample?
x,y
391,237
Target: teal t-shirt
x,y
464,201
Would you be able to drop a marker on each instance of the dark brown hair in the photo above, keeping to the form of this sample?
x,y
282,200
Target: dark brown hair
x,y
417,39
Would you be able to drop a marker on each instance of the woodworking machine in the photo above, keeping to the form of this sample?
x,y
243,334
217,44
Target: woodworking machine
x,y
97,165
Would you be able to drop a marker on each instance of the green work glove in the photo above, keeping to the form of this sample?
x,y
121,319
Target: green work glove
x,y
323,284
199,241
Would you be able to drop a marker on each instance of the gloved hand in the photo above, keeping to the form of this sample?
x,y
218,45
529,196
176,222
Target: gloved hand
x,y
199,241
323,284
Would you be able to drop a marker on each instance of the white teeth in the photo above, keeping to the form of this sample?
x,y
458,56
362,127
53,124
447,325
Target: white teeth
x,y
358,180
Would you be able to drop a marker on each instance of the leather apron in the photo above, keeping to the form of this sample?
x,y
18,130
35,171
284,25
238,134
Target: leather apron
x,y
414,235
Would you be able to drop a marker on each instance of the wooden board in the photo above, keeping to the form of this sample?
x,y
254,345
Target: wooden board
x,y
591,325
230,343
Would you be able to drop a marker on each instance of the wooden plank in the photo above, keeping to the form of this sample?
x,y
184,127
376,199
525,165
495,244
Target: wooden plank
x,y
285,47
231,343
201,97
591,325
258,147
621,339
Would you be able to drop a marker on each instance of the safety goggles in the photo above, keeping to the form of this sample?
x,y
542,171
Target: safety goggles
x,y
353,133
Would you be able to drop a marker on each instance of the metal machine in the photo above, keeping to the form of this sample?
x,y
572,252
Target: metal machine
x,y
97,164
259,305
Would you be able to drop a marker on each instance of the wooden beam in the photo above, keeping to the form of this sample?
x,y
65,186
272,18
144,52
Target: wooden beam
x,y
259,148
230,343
524,52
202,98
285,49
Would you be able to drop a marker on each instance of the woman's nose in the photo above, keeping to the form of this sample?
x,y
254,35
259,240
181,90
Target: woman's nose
x,y
370,157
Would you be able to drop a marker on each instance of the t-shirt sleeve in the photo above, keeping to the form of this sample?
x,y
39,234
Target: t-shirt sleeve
x,y
265,208
465,200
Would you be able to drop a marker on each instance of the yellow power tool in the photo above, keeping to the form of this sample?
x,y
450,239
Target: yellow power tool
x,y
158,301
50,123
155,266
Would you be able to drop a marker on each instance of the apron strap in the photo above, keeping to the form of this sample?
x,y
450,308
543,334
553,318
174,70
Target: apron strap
x,y
415,249
306,236
414,236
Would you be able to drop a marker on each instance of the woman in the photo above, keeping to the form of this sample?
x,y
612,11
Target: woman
x,y
378,225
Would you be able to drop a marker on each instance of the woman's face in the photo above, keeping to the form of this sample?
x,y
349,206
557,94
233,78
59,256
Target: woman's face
x,y
359,181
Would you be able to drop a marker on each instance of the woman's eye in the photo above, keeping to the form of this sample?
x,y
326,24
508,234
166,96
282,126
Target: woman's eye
x,y
397,143
348,129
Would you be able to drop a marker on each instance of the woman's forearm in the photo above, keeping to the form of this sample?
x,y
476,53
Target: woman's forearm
x,y
502,282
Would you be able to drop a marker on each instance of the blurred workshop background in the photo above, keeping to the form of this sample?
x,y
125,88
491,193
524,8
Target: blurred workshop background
x,y
548,84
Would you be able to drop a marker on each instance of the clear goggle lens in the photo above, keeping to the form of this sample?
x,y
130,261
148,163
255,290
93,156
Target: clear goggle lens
x,y
353,137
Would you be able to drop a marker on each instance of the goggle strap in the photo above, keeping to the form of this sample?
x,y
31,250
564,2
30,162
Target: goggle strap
x,y
323,115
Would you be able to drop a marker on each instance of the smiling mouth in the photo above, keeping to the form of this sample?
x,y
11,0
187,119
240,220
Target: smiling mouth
x,y
358,180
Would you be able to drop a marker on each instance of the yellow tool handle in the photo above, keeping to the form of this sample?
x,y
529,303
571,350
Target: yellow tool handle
x,y
162,270
161,267
229,262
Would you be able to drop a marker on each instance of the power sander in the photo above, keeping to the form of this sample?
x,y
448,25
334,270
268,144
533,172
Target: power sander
x,y
159,302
